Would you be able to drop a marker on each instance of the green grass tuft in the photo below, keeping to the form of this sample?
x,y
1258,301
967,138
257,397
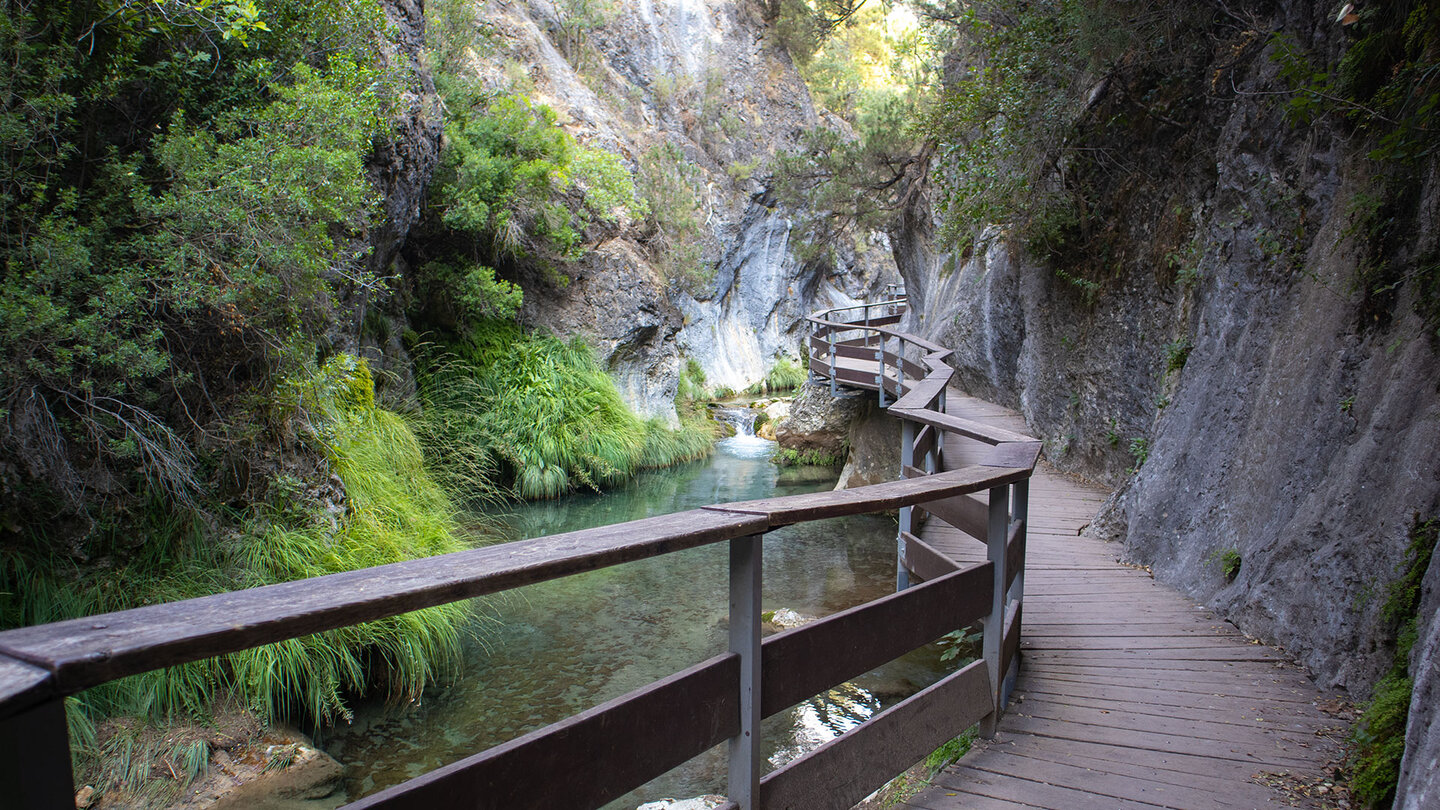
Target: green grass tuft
x,y
540,414
393,510
785,375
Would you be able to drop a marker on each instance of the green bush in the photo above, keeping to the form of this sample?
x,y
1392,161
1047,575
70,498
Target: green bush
x,y
508,175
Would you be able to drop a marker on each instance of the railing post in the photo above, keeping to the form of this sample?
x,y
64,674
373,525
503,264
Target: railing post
x,y
830,338
1019,514
900,365
994,644
744,782
35,759
907,459
880,375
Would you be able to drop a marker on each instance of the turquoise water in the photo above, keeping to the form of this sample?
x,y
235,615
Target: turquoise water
x,y
551,650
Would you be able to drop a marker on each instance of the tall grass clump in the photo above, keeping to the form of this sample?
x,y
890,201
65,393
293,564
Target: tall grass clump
x,y
785,375
382,506
540,414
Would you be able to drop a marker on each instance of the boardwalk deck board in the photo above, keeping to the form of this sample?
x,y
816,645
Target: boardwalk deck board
x,y
1130,696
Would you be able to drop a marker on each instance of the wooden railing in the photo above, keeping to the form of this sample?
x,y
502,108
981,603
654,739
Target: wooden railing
x,y
619,745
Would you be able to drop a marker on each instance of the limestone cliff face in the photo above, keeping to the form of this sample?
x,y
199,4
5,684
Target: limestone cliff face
x,y
1269,404
706,78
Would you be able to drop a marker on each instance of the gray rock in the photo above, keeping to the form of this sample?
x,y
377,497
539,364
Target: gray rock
x,y
874,443
616,300
819,422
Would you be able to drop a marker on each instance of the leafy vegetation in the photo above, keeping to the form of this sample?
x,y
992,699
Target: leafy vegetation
x,y
874,68
1386,87
951,751
1378,739
1227,560
790,457
671,189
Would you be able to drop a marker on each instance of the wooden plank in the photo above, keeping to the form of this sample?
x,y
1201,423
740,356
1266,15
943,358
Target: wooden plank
x,y
819,346
921,396
1014,552
22,685
964,512
1244,713
1010,645
892,386
1152,741
847,769
856,352
1168,761
923,560
802,662
1014,454
1202,729
591,758
913,371
856,377
86,652
924,442
1070,793
876,497
1184,790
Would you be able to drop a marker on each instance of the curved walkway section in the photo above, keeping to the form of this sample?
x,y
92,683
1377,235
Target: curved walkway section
x,y
1129,695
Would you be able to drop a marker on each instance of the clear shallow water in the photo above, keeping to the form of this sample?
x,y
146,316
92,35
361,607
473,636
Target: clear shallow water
x,y
551,650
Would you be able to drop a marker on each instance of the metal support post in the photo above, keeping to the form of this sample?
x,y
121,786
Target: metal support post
x,y
907,459
994,642
830,338
745,761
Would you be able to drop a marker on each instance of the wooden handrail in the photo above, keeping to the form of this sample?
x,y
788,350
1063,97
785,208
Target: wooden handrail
x,y
719,699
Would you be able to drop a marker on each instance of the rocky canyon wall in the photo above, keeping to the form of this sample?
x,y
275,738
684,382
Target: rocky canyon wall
x,y
1225,364
704,80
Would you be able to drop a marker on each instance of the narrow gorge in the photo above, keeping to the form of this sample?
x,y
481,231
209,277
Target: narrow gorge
x,y
299,287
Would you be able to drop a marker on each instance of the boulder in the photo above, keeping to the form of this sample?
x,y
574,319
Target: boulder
x,y
819,422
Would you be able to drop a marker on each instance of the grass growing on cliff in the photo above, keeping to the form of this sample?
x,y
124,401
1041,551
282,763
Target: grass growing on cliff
x,y
540,415
1379,736
384,507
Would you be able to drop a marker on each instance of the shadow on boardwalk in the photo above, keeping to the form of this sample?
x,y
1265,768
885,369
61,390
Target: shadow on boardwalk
x,y
1129,696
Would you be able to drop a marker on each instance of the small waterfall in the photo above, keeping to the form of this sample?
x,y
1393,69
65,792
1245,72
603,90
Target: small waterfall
x,y
744,444
743,419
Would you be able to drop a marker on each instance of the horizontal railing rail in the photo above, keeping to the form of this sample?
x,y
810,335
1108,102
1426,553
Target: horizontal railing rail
x,y
617,746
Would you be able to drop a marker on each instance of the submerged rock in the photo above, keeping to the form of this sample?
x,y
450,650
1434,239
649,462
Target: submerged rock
x,y
708,802
282,770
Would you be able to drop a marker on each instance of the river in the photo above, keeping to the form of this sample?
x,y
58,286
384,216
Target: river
x,y
551,650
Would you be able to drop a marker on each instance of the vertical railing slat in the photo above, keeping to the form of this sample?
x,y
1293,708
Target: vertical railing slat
x,y
745,578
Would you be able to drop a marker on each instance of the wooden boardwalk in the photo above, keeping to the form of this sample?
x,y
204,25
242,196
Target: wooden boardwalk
x,y
1129,695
